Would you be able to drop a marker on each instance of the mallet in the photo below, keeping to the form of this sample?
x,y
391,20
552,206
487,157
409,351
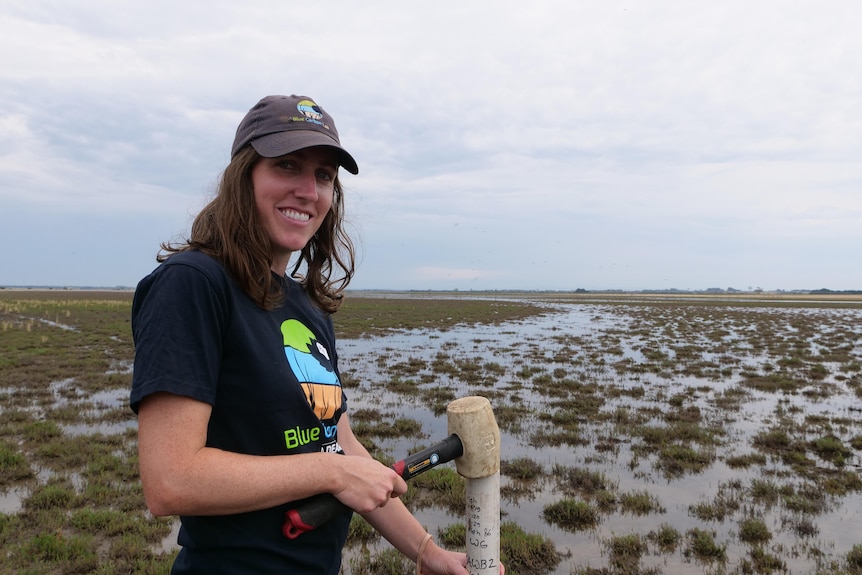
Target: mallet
x,y
322,508
474,444
472,419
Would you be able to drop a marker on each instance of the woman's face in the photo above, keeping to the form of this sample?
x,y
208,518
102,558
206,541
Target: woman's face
x,y
293,194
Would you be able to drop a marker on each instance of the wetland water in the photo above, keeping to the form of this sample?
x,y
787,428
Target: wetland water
x,y
762,403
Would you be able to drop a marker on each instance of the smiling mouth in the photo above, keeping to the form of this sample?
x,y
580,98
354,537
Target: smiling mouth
x,y
294,215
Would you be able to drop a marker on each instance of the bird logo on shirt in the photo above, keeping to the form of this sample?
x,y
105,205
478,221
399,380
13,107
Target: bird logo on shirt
x,y
311,365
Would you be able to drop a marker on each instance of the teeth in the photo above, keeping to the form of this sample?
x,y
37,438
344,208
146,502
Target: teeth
x,y
294,215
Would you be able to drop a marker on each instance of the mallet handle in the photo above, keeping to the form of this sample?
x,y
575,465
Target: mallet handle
x,y
321,508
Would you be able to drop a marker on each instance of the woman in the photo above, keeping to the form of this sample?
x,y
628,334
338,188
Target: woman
x,y
240,409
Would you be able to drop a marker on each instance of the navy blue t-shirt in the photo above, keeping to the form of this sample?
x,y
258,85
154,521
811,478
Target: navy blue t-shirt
x,y
272,380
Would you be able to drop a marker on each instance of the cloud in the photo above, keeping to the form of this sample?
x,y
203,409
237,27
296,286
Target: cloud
x,y
562,144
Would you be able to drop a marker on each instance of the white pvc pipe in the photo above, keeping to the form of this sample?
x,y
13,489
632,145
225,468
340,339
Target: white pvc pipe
x,y
483,525
472,419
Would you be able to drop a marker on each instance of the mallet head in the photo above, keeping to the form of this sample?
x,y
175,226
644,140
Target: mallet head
x,y
472,419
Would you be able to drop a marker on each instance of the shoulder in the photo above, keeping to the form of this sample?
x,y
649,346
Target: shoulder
x,y
189,278
186,269
197,260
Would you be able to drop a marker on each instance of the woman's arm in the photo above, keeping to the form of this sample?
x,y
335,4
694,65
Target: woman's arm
x,y
182,476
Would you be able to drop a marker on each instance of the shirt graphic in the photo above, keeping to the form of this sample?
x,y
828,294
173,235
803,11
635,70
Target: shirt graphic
x,y
311,365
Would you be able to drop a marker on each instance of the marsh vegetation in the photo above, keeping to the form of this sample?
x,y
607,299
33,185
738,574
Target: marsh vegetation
x,y
640,435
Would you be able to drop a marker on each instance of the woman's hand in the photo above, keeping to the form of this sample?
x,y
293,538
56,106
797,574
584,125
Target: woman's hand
x,y
367,484
439,561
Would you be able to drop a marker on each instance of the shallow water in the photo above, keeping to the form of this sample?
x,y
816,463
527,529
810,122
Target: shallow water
x,y
602,343
575,339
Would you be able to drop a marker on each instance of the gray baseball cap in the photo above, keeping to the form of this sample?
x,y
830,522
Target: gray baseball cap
x,y
279,125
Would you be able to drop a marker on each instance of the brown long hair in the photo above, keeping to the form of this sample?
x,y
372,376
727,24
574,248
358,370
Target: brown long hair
x,y
228,229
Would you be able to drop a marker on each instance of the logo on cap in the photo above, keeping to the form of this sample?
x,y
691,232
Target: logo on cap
x,y
310,110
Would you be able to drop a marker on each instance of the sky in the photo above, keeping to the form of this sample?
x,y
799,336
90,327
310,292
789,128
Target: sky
x,y
549,145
